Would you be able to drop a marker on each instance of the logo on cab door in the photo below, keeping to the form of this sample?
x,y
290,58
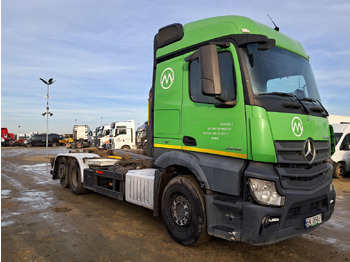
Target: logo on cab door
x,y
167,78
297,126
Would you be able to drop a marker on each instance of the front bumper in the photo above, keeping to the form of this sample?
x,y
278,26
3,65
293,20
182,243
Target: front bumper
x,y
241,219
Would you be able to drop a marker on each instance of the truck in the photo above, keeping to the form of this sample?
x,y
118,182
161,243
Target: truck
x,y
82,137
238,141
141,136
116,135
101,136
341,156
7,139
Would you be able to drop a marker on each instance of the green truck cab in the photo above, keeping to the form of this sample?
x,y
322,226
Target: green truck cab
x,y
235,117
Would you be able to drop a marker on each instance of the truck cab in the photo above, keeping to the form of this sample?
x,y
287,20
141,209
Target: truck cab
x,y
234,104
124,135
341,155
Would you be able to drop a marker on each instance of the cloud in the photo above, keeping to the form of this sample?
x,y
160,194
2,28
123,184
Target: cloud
x,y
101,53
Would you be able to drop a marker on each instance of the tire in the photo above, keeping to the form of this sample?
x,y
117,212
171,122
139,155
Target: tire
x,y
63,172
183,211
339,170
75,179
126,147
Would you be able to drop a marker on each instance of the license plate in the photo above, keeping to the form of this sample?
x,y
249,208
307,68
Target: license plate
x,y
313,221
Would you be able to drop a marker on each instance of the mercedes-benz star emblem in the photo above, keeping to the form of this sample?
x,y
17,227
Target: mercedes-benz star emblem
x,y
309,150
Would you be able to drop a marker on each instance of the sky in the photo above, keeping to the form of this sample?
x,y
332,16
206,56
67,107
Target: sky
x,y
101,54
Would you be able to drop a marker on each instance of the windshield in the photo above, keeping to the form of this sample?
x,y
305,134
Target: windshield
x,y
337,137
278,70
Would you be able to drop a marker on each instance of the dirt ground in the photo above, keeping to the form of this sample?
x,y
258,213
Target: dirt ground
x,y
40,221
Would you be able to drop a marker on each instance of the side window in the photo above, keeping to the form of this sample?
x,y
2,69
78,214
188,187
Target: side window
x,y
227,75
121,130
345,143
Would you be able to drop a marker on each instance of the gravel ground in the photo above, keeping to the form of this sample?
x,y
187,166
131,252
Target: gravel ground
x,y
40,221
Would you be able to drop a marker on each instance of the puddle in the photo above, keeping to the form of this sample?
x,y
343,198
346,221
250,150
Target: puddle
x,y
5,193
29,196
6,223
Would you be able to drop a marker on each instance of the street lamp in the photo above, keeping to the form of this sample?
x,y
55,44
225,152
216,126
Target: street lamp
x,y
47,113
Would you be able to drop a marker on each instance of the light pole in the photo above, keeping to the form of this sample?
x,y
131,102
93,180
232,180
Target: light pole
x,y
47,113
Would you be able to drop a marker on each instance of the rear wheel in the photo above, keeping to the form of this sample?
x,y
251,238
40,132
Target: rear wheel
x,y
63,172
183,210
339,170
75,179
126,147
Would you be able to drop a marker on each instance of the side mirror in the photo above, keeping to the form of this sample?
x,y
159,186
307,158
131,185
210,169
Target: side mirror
x,y
209,70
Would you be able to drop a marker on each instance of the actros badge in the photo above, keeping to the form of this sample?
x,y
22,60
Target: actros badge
x,y
297,126
167,78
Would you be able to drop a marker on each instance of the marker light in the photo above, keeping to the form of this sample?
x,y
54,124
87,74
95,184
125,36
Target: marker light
x,y
265,193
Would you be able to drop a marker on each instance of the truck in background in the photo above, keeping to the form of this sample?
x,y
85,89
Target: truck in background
x,y
116,135
237,141
141,137
7,139
102,135
341,156
82,137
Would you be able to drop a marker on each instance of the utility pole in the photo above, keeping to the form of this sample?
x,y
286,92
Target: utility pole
x,y
47,113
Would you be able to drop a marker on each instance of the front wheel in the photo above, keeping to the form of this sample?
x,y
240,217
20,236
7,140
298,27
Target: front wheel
x,y
339,170
183,210
75,182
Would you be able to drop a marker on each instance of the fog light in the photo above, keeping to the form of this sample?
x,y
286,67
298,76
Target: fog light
x,y
265,193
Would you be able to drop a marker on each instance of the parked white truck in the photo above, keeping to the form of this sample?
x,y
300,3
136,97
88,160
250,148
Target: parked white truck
x,y
341,155
117,135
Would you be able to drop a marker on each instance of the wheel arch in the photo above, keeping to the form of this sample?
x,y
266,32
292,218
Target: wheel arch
x,y
79,157
183,161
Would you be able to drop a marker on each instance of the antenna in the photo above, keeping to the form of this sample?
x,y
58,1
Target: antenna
x,y
276,27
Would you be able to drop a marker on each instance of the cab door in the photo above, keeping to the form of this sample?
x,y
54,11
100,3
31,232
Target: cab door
x,y
206,126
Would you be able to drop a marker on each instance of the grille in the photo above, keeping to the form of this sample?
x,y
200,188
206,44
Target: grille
x,y
294,170
291,152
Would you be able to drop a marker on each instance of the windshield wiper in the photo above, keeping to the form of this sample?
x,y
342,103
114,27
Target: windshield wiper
x,y
316,109
286,95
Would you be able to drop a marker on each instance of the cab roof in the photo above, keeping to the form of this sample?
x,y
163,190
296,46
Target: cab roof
x,y
211,28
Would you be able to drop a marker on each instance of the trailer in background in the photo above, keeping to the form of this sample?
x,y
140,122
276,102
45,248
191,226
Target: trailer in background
x,y
82,137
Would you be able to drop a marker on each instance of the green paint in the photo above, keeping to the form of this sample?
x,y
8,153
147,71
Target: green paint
x,y
243,131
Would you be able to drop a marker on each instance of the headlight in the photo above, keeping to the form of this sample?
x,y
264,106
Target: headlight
x,y
265,193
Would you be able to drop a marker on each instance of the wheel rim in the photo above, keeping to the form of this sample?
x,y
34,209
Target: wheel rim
x,y
341,170
62,171
180,210
74,177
